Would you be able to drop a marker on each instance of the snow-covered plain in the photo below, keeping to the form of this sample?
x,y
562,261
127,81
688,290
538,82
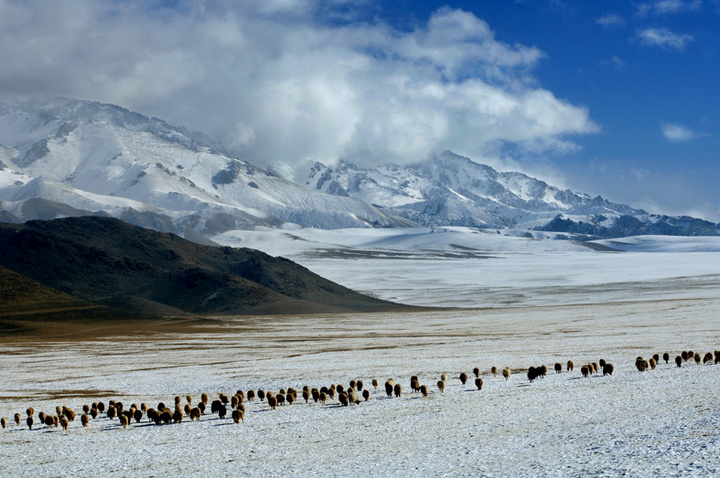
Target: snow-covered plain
x,y
528,303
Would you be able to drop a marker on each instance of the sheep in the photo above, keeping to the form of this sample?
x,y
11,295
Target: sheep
x,y
343,398
388,388
353,384
656,357
697,358
708,358
272,401
441,386
124,420
543,370
56,421
340,388
224,398
366,394
717,356
195,414
558,367
119,406
64,422
444,377
375,383
201,407
398,390
289,398
238,415
666,357
652,363
94,413
41,417
280,398
189,399
315,394
222,411
570,366
331,391
463,378
153,415
353,396
414,383
137,415
596,367
69,413
49,421
424,390
678,361
607,369
3,422
85,419
306,396
17,417
29,421
166,416
684,355
360,385
31,411
111,412
86,408
234,401
506,373
101,407
584,371
641,365
186,410
251,395
204,398
323,397
479,383
177,399
476,371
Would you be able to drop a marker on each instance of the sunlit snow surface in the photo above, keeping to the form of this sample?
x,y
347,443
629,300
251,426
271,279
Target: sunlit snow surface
x,y
527,302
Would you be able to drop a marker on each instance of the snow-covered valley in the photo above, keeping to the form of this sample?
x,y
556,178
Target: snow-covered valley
x,y
527,303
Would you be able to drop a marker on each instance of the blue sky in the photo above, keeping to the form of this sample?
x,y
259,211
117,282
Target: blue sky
x,y
613,98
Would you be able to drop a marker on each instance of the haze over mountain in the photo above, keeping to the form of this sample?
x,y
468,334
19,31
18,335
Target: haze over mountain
x,y
63,157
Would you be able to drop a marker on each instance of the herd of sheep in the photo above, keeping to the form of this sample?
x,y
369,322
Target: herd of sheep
x,y
354,393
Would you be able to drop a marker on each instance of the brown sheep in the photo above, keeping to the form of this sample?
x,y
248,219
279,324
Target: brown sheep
x,y
56,421
388,388
398,390
111,412
119,406
684,355
29,421
166,416
222,411
290,398
360,385
366,394
343,398
86,408
186,409
602,363
479,383
331,391
353,396
306,396
353,384
195,414
251,395
596,367
124,420
137,415
697,358
204,398
189,399
463,378
608,369
315,394
85,419
641,365
570,366
678,361
177,399
652,363
532,373
261,395
64,422
424,390
280,398
234,401
69,413
238,415
41,417
31,411
224,398
666,357
94,413
656,357
49,421
3,422
506,373
542,370
441,386
101,407
708,358
414,384
340,388
272,401
476,371
585,371
201,407
323,397
558,367
153,415
717,356
444,377
17,419
375,383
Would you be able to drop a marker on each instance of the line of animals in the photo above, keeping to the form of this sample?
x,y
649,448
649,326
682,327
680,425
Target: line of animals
x,y
346,396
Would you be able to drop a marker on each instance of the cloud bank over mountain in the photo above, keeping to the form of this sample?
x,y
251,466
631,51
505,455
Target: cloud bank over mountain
x,y
283,81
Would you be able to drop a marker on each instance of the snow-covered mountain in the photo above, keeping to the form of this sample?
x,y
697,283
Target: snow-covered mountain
x,y
63,157
451,190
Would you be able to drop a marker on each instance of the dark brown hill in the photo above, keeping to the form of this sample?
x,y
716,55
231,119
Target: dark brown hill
x,y
144,272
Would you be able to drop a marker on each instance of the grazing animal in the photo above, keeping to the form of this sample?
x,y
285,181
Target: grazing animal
x,y
340,388
49,421
251,395
366,394
124,420
602,363
684,355
596,367
101,407
201,406
360,385
306,396
272,401
85,419
532,374
678,361
708,358
222,411
111,412
353,396
570,366
375,383
224,398
666,357
652,363
86,408
280,398
388,388
641,364
195,414
479,383
94,413
3,422
189,399
353,384
397,389
204,398
506,372
558,367
166,416
234,401
64,422
29,421
444,377
697,358
214,406
323,397
463,378
137,415
717,356
584,371
542,370
608,369
476,371
315,394
177,399
441,386
424,390
41,417
414,384
238,415
17,417
289,398
343,398
31,411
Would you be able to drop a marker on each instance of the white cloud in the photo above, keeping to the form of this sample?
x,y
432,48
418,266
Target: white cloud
x,y
666,7
279,82
664,38
610,20
675,132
